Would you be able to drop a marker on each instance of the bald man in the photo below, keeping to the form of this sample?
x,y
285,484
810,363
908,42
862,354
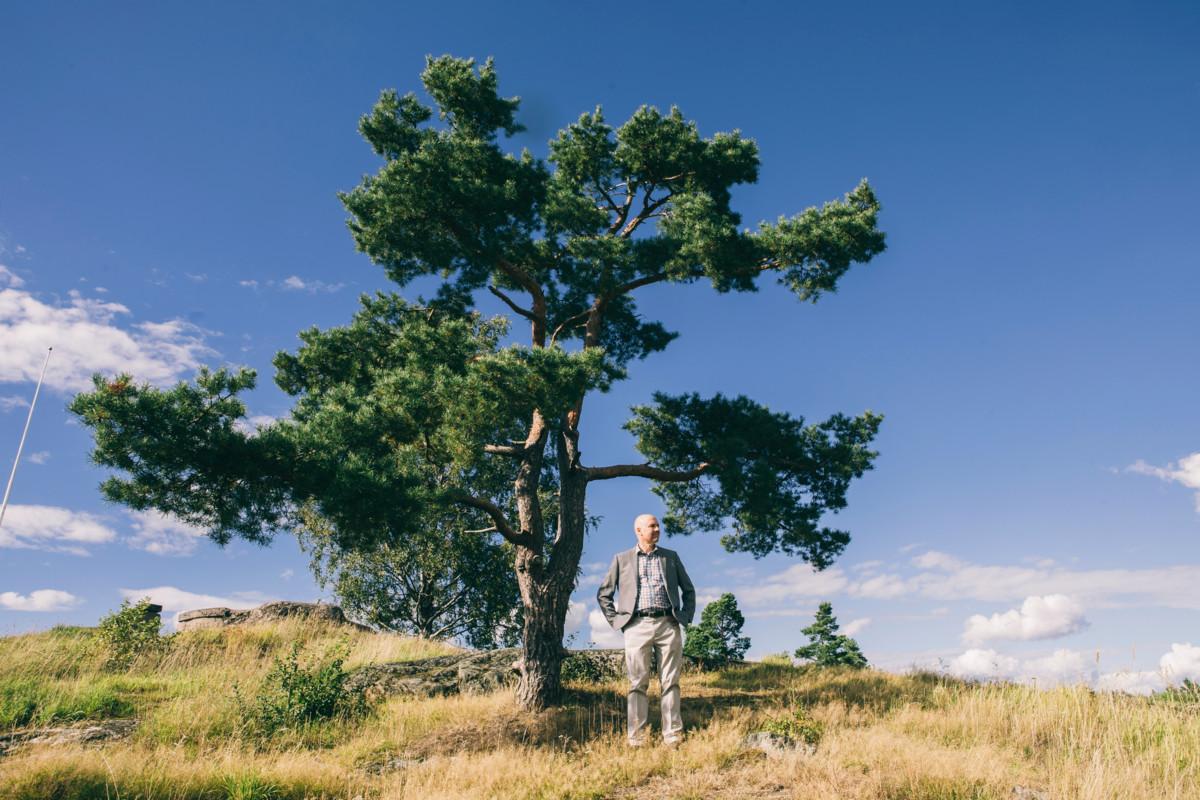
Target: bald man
x,y
654,598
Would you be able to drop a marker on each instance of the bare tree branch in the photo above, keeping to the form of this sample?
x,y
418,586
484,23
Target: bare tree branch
x,y
519,538
508,301
514,450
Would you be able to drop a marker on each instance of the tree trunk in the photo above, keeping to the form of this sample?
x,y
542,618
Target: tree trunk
x,y
546,587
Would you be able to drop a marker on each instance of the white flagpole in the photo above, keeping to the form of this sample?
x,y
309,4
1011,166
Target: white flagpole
x,y
24,433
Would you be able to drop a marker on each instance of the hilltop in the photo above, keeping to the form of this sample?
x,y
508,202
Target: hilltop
x,y
876,735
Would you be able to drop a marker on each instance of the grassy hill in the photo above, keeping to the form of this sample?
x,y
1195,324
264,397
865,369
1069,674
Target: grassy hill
x,y
917,736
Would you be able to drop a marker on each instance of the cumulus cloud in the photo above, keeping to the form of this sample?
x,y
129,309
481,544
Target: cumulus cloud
x,y
798,582
1182,662
1046,617
39,600
576,616
854,626
53,528
603,634
86,339
983,665
880,586
1185,472
163,534
250,425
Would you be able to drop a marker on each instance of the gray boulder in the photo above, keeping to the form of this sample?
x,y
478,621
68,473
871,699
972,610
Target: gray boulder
x,y
201,618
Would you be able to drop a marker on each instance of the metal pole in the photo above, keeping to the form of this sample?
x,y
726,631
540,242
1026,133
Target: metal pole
x,y
24,433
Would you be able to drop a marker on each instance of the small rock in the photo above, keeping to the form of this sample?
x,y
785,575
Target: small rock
x,y
775,745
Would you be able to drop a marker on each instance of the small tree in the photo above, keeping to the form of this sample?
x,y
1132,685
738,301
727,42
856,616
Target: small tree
x,y
826,647
129,632
717,640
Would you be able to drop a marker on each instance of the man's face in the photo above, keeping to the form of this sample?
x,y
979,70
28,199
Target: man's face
x,y
646,528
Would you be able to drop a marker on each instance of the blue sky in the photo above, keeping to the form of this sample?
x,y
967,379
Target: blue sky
x,y
167,199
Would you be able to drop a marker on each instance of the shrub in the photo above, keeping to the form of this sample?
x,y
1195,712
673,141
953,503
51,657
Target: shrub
x,y
293,695
591,666
130,632
797,727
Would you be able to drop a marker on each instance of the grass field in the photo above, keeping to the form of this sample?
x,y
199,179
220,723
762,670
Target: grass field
x,y
918,736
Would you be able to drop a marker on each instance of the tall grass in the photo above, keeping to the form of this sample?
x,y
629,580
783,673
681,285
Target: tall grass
x,y
916,737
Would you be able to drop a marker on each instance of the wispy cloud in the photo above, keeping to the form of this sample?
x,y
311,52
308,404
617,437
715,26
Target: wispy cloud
x,y
40,457
854,626
163,534
9,402
294,283
53,528
39,600
1048,617
1185,472
10,278
87,339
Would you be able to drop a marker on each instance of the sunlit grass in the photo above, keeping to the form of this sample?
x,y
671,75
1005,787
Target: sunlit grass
x,y
918,737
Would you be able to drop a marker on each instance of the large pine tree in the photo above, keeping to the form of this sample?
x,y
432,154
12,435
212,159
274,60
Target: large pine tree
x,y
414,408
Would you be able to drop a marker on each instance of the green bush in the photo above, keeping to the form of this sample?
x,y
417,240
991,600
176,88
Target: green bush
x,y
590,666
293,695
129,632
717,641
797,727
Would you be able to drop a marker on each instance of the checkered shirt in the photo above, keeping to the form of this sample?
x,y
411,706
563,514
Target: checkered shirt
x,y
652,581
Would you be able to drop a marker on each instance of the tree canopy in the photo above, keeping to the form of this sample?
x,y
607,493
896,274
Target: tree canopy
x,y
717,640
420,410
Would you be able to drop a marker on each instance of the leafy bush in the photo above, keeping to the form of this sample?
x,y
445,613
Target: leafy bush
x,y
292,695
1187,693
797,727
590,666
717,640
129,632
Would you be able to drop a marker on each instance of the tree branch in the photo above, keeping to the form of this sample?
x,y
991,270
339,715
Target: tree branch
x,y
643,471
514,450
519,538
508,301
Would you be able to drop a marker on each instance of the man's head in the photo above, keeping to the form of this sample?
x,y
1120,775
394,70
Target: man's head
x,y
646,528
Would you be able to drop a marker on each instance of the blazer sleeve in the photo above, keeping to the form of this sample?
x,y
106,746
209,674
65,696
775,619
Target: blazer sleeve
x,y
606,592
687,590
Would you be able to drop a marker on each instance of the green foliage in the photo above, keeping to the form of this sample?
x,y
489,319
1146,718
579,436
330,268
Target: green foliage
x,y
293,695
590,666
773,475
34,701
796,727
438,583
717,640
1186,693
826,647
129,632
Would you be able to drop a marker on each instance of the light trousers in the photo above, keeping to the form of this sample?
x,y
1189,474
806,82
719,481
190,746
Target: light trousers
x,y
645,637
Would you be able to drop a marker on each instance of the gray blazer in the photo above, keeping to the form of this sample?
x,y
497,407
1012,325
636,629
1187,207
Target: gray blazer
x,y
624,574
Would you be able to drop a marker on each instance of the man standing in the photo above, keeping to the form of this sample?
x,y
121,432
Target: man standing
x,y
655,596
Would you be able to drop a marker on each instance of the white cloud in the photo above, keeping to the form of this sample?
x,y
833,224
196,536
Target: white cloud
x,y
9,402
935,560
39,600
880,586
86,340
797,582
248,284
603,634
53,528
1185,472
576,616
297,284
10,278
201,278
981,665
287,574
867,566
854,626
1063,667
1131,682
1182,662
163,534
1046,617
40,457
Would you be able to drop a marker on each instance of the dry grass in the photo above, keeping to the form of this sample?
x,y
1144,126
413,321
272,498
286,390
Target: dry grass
x,y
913,737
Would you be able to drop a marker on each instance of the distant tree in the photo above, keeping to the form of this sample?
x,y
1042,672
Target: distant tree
x,y
827,647
441,581
717,640
414,409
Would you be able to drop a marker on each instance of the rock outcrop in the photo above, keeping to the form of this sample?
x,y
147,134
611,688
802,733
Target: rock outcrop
x,y
220,617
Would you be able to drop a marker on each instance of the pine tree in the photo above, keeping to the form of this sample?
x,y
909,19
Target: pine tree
x,y
717,640
826,647
415,410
